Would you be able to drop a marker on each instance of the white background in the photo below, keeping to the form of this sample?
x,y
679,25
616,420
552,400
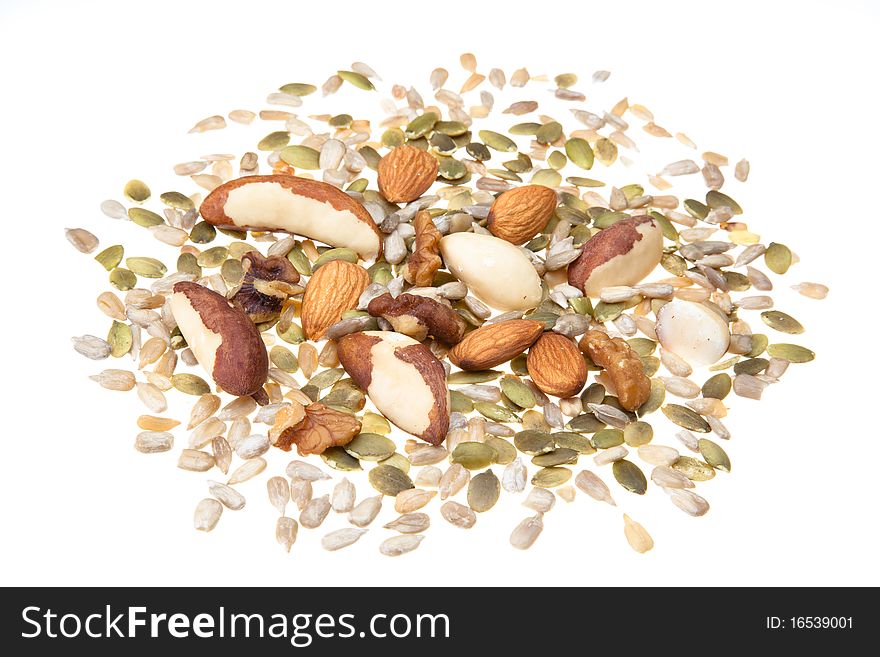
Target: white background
x,y
97,93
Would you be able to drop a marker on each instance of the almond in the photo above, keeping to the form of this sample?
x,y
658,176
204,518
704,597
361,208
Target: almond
x,y
333,289
622,254
223,339
521,213
495,344
294,205
406,173
403,379
556,366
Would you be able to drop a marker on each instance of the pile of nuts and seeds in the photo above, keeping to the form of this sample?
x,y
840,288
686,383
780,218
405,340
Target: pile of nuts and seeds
x,y
471,287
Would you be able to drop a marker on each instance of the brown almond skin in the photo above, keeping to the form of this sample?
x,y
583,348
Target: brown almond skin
x,y
212,208
241,364
615,240
519,214
427,316
556,366
331,290
406,173
495,344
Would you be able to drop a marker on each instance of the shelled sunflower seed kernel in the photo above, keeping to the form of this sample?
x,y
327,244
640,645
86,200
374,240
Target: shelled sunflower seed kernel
x,y
470,260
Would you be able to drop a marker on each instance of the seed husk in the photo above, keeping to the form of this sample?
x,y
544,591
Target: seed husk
x,y
783,322
399,545
474,455
190,384
630,476
483,491
686,418
338,459
551,477
533,442
389,480
791,352
694,469
714,455
636,535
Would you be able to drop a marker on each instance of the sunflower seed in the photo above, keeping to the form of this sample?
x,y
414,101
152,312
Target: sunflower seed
x,y
636,535
366,511
609,415
811,290
688,501
305,471
207,514
540,500
427,455
300,492
429,476
336,540
279,493
247,470
610,455
315,512
514,477
153,442
398,545
228,496
412,499
526,532
410,523
680,387
458,515
195,461
666,477
748,386
92,347
286,530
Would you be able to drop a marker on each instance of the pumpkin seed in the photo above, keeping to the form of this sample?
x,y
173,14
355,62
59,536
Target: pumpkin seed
x,y
642,346
518,392
575,441
778,258
717,386
498,142
370,447
505,452
356,79
213,257
560,456
301,157
340,121
459,403
586,423
694,469
630,476
389,480
146,267
606,151
478,151
274,141
177,200
551,477
547,178
549,132
751,366
580,153
791,352
298,89
475,376
686,418
533,442
451,169
495,412
716,200
421,125
605,438
655,399
202,233
759,345
122,279
338,459
782,322
110,257
638,433
483,491
136,190
473,455
299,260
714,455
393,137
120,339
190,384
232,272
293,334
144,217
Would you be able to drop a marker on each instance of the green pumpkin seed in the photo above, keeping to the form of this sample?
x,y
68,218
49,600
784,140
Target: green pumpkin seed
x,y
475,376
274,141
177,200
340,121
605,312
518,365
642,346
549,132
370,447
694,469
326,378
551,477
338,459
630,476
504,452
581,305
566,80
547,178
716,199
778,258
421,125
655,399
356,79
371,155
674,264
533,442
696,209
202,233
717,386
478,151
397,460
283,359
443,144
759,345
342,253
685,417
144,217
529,128
311,392
593,394
358,185
212,257
561,456
575,441
669,231
136,190
451,169
714,455
498,142
521,164
586,423
650,365
232,272
606,151
450,128
632,191
782,322
751,366
581,154
736,282
608,219
473,455
119,338
146,267
301,157
504,174
605,438
638,433
299,260
724,364
791,352
345,396
459,403
293,334
298,89
483,491
110,257
578,181
518,392
122,279
190,384
389,480
495,413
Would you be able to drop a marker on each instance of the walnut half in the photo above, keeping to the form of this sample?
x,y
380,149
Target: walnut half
x,y
312,429
425,261
622,364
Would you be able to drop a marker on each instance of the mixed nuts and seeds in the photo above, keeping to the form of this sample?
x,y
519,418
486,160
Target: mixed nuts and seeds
x,y
468,283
